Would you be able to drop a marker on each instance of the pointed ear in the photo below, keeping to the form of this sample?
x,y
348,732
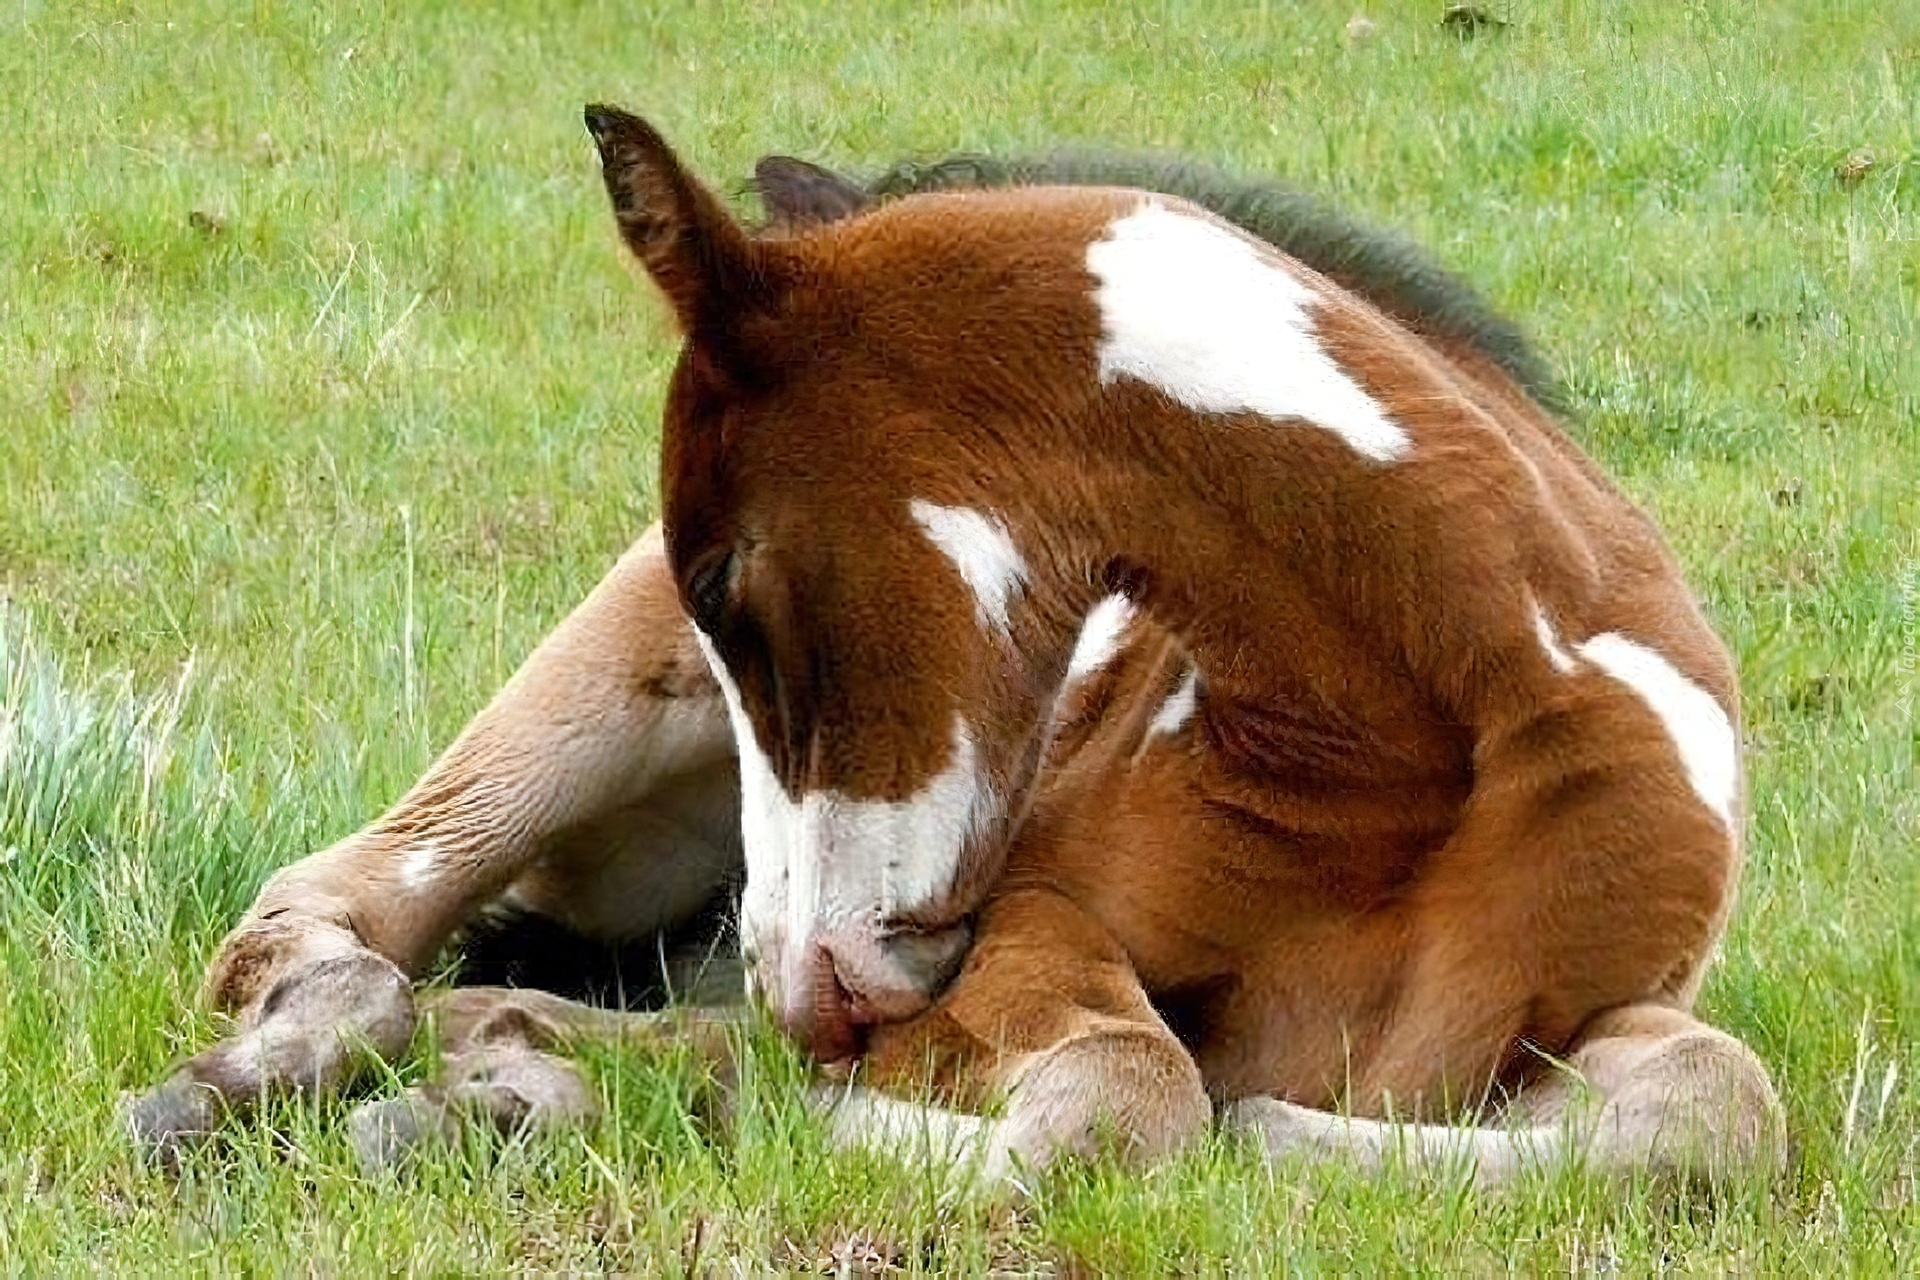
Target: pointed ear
x,y
698,255
798,194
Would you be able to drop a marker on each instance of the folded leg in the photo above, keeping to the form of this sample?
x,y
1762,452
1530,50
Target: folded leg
x,y
599,784
1648,1089
1048,1027
1575,907
504,1066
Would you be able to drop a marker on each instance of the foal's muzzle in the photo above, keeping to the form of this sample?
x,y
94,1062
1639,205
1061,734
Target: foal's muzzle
x,y
841,981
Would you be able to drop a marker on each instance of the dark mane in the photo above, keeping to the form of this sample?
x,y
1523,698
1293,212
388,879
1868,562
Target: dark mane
x,y
1385,267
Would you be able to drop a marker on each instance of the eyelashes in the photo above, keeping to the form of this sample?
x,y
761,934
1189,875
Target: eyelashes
x,y
710,590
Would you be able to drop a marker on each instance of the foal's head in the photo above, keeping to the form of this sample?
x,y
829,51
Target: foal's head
x,y
849,485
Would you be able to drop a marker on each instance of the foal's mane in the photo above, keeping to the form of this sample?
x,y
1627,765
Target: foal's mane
x,y
1384,267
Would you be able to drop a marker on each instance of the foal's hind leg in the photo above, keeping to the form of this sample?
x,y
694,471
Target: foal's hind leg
x,y
1576,905
1647,1089
613,727
504,1065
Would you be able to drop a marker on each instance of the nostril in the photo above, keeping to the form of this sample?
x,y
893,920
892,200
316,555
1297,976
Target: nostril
x,y
829,1026
843,982
837,997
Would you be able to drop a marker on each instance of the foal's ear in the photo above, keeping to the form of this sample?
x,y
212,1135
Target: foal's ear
x,y
693,249
799,194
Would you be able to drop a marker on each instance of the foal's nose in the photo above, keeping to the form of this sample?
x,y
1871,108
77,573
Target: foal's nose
x,y
845,980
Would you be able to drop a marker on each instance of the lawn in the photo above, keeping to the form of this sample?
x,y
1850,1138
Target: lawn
x,y
326,390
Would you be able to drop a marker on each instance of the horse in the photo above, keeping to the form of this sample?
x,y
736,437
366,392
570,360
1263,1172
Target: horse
x,y
1143,658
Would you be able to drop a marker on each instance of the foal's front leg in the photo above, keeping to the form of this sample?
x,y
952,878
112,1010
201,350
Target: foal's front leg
x,y
1048,1019
614,717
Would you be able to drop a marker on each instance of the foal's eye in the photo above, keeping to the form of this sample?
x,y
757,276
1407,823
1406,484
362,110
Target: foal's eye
x,y
710,589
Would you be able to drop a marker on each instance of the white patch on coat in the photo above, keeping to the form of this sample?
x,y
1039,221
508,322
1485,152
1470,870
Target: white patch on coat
x,y
1702,733
1556,652
1208,316
1100,635
421,865
1174,713
829,862
982,550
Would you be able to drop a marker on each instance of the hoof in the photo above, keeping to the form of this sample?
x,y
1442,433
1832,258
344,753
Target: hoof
x,y
171,1120
388,1133
316,1018
519,1089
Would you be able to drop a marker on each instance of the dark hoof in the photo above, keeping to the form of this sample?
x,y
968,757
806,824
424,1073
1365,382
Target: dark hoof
x,y
385,1134
171,1120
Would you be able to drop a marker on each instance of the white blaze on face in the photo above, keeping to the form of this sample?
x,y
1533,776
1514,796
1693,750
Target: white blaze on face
x,y
1211,318
879,858
831,863
982,550
769,821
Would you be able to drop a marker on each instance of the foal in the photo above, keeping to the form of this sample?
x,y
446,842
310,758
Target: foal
x,y
1139,676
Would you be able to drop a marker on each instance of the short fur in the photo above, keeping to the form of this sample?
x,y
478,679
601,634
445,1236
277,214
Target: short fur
x,y
1385,268
1399,848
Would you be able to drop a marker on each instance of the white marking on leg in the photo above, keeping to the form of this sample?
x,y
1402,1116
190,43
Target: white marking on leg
x,y
915,1134
1178,708
1697,724
1556,653
1100,636
1208,316
421,865
982,550
1496,1155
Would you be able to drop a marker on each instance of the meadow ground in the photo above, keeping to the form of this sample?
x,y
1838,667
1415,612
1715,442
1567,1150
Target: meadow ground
x,y
326,391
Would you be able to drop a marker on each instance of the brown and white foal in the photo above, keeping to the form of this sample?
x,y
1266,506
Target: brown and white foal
x,y
1139,676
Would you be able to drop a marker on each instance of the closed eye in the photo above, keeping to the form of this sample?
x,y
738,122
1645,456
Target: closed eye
x,y
710,590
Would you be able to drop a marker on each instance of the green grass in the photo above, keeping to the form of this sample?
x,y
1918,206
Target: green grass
x,y
287,488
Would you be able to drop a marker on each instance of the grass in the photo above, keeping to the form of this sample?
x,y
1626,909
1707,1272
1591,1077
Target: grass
x,y
326,392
